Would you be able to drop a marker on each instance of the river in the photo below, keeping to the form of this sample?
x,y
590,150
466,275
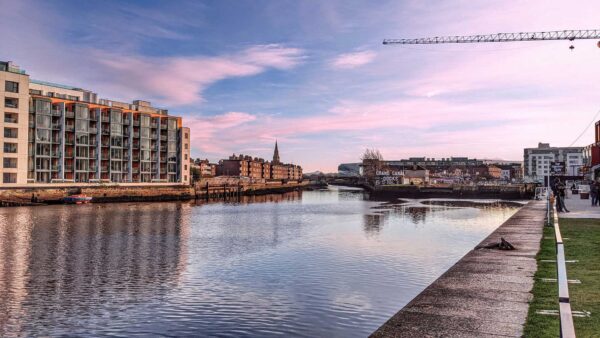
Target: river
x,y
314,264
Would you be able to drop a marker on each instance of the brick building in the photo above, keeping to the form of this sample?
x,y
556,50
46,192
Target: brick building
x,y
258,168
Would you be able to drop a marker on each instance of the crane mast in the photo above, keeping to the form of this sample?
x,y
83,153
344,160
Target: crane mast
x,y
501,37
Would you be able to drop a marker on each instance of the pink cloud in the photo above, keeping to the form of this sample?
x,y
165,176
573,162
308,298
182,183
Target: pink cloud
x,y
181,80
353,60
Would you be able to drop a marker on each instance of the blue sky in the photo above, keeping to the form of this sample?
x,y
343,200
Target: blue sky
x,y
315,76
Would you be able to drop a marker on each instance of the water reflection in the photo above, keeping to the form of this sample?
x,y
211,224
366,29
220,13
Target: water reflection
x,y
313,263
269,198
61,262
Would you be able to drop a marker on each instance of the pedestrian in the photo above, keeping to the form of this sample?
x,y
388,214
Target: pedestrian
x,y
556,195
561,193
594,194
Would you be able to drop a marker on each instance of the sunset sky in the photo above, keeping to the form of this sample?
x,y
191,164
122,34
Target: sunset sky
x,y
315,76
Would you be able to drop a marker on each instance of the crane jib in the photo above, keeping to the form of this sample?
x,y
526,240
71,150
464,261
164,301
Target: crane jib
x,y
502,37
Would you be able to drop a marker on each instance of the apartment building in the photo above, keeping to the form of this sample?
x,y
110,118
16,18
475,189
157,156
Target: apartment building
x,y
14,97
63,134
537,161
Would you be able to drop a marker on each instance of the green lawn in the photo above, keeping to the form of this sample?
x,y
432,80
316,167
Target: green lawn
x,y
583,244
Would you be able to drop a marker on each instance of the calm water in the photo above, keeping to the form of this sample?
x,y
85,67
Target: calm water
x,y
321,263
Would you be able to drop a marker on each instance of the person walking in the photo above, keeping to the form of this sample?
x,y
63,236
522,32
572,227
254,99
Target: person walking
x,y
561,193
557,195
594,193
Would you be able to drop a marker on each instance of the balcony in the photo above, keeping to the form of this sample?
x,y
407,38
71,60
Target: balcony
x,y
56,140
163,137
163,127
93,168
163,148
105,119
136,123
136,146
31,124
56,126
104,169
136,157
154,136
93,130
93,142
54,167
56,154
70,141
68,167
10,120
126,122
105,156
56,112
93,118
154,125
135,170
106,144
163,170
70,114
69,127
136,134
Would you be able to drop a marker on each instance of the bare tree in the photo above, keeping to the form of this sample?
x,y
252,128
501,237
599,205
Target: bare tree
x,y
372,161
371,154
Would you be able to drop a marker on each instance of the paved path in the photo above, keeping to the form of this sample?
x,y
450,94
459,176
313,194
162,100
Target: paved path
x,y
580,208
485,294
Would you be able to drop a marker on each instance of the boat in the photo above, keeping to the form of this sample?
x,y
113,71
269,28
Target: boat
x,y
77,199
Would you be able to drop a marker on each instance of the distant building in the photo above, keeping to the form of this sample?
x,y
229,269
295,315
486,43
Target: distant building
x,y
441,162
258,169
349,170
537,162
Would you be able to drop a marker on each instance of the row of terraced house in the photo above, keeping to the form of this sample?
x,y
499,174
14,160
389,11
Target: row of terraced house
x,y
258,169
60,134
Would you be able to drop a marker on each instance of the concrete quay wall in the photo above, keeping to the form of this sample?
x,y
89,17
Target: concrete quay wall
x,y
50,194
485,294
457,191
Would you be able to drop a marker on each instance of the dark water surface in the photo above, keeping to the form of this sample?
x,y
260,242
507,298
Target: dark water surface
x,y
317,263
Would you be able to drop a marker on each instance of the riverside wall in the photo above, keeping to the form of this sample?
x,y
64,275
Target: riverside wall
x,y
485,294
456,191
105,193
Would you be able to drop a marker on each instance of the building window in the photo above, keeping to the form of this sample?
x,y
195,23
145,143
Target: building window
x,y
35,92
185,146
10,102
185,156
186,135
10,148
12,87
10,132
11,118
9,178
185,167
185,177
10,163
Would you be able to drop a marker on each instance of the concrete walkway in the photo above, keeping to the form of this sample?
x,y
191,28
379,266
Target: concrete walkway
x,y
485,294
579,208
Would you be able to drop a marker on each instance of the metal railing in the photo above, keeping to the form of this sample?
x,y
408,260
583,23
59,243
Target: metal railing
x,y
567,328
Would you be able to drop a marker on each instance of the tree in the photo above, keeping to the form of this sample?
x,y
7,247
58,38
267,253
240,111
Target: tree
x,y
195,173
372,161
372,154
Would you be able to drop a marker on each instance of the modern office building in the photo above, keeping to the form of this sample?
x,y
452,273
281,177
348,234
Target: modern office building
x,y
60,134
537,162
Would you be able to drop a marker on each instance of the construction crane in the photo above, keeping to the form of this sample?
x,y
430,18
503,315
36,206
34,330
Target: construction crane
x,y
570,35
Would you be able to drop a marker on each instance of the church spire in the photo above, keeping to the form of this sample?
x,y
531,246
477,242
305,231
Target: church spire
x,y
276,154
